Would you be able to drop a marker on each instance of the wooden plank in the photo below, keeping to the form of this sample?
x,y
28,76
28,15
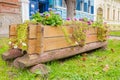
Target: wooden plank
x,y
12,54
39,41
91,30
55,31
32,31
31,46
55,43
60,42
13,29
91,38
24,61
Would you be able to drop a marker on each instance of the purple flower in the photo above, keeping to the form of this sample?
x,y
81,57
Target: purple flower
x,y
89,23
68,19
50,9
75,19
92,21
57,13
81,19
47,14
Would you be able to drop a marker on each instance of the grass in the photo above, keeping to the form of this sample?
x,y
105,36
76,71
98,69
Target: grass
x,y
115,33
74,68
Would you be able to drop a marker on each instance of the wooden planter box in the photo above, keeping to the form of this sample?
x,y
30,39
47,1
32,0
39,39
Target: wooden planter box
x,y
45,38
47,43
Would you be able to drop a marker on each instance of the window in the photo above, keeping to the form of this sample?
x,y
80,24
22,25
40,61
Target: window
x,y
78,5
92,9
85,7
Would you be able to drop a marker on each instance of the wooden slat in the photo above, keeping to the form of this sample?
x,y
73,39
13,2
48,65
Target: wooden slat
x,y
60,42
32,31
91,38
13,29
55,43
31,46
91,30
39,41
55,31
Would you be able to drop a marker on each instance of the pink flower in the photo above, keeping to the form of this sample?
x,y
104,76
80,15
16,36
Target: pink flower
x,y
68,19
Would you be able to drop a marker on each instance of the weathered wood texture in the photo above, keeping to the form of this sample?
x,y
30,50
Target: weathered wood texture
x,y
12,54
45,38
12,33
25,61
54,37
34,38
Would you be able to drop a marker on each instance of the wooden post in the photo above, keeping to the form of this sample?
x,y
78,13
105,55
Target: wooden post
x,y
39,45
32,38
35,40
12,33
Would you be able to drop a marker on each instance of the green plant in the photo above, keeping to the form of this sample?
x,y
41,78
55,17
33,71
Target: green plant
x,y
37,17
79,34
21,37
48,18
102,33
101,30
52,19
66,34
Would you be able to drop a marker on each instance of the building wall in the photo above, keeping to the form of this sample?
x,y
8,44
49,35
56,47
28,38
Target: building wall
x,y
24,9
111,10
84,8
9,14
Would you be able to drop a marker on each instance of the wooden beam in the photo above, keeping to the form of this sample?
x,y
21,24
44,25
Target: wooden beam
x,y
56,54
12,54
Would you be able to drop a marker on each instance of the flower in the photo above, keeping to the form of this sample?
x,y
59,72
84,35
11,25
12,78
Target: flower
x,y
41,14
76,43
9,42
57,13
75,19
50,9
89,22
15,46
68,19
81,19
47,14
24,44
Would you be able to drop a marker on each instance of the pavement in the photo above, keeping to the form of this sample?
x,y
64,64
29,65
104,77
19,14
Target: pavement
x,y
114,37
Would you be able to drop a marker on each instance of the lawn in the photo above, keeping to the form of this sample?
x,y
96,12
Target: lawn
x,y
115,33
96,65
